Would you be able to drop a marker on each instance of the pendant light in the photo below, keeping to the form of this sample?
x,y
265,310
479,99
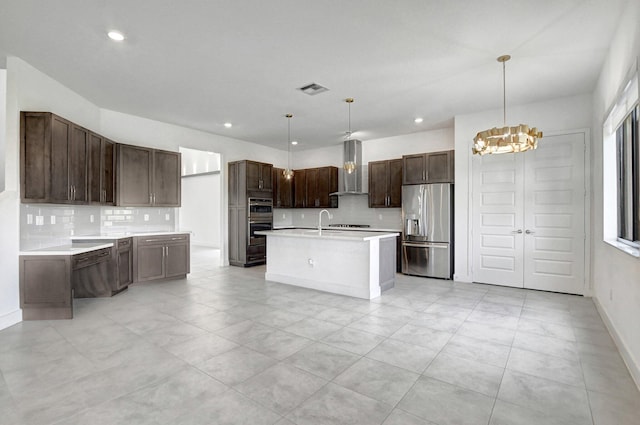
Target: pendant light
x,y
506,139
287,173
349,166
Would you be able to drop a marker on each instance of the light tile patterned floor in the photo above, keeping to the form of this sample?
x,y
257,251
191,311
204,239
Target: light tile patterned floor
x,y
226,347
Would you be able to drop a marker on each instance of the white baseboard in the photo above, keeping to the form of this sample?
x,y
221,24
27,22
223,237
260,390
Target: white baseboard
x,y
10,319
627,355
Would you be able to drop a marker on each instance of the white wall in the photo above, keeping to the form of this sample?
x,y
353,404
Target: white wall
x,y
3,125
556,115
615,274
200,212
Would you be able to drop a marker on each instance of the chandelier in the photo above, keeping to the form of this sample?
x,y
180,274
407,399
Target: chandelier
x,y
349,166
506,139
287,173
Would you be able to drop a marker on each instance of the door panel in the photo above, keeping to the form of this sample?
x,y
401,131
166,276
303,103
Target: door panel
x,y
497,200
554,215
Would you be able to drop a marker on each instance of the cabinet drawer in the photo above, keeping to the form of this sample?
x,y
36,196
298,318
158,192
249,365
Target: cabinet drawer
x,y
124,244
89,258
162,240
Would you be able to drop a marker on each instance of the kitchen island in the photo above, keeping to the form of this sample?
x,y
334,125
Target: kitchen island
x,y
354,263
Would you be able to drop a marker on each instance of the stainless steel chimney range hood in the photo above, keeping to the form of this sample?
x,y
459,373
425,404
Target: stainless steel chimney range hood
x,y
351,176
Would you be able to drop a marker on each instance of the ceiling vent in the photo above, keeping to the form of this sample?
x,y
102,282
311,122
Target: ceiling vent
x,y
313,89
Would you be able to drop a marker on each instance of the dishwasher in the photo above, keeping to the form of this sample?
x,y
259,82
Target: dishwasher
x,y
92,274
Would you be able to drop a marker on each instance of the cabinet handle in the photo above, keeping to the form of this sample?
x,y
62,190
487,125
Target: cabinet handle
x,y
150,199
529,232
73,193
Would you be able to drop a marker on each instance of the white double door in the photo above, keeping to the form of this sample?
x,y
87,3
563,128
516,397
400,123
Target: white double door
x,y
529,216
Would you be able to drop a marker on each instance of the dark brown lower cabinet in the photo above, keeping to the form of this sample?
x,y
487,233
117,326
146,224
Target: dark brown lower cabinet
x,y
161,257
48,283
45,287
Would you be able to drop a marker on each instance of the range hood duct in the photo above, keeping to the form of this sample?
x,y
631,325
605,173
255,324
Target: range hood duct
x,y
352,182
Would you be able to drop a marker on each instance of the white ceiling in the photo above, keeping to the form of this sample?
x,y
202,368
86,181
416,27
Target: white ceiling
x,y
200,63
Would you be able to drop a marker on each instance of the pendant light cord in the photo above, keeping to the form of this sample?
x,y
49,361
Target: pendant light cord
x,y
504,94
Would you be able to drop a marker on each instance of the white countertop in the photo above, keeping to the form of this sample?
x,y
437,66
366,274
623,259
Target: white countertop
x,y
330,234
71,249
115,236
329,227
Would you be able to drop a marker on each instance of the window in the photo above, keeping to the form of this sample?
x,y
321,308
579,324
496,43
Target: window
x,y
628,177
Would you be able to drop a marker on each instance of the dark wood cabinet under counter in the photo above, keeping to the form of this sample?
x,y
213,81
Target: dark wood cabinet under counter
x,y
50,278
161,256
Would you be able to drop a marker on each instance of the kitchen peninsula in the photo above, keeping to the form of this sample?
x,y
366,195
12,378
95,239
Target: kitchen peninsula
x,y
355,263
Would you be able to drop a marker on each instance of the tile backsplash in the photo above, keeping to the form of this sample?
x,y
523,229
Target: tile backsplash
x,y
46,225
352,209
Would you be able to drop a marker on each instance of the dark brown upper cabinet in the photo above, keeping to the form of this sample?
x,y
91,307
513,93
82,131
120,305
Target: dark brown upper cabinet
x,y
102,167
147,177
54,156
432,167
300,188
385,184
312,187
259,176
282,190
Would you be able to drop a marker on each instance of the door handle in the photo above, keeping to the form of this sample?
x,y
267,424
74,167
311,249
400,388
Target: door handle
x,y
529,232
518,231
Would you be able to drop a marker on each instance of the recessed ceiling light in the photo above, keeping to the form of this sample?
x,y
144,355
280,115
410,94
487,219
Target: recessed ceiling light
x,y
294,142
116,35
418,120
228,125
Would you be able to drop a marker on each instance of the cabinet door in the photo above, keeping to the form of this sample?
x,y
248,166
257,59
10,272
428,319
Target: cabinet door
x,y
438,167
285,197
108,172
61,130
134,176
95,169
78,161
177,259
266,178
35,148
394,188
254,179
378,178
300,188
166,179
125,267
312,198
323,187
413,170
150,262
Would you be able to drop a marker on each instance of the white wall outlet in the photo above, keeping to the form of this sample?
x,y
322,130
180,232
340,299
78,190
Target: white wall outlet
x,y
284,216
302,215
379,216
39,220
92,218
29,218
146,217
167,217
53,219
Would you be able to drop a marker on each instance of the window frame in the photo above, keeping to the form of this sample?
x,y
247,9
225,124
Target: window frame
x,y
628,177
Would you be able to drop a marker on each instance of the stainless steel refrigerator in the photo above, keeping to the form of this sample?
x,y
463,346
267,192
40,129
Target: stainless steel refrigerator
x,y
427,237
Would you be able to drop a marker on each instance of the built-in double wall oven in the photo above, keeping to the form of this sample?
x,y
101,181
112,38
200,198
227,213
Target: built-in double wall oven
x,y
260,217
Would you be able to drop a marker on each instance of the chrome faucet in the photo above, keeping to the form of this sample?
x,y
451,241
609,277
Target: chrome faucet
x,y
320,219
